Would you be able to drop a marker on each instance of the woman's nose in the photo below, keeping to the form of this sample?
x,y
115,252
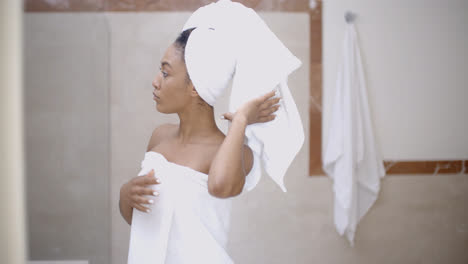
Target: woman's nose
x,y
156,81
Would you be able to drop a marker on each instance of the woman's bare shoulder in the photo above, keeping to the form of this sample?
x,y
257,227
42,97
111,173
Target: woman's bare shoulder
x,y
159,134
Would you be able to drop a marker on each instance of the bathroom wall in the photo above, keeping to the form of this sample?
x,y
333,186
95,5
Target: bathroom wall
x,y
67,146
416,59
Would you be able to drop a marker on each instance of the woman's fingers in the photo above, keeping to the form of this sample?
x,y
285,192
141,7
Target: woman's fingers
x,y
268,105
271,110
138,200
150,179
271,102
227,116
141,208
266,119
269,94
142,200
263,98
138,190
147,179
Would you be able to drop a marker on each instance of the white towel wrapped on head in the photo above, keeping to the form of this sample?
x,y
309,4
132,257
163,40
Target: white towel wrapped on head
x,y
231,41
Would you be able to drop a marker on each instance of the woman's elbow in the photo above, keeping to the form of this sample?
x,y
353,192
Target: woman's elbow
x,y
225,190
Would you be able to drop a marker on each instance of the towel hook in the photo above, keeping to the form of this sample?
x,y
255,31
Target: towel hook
x,y
349,17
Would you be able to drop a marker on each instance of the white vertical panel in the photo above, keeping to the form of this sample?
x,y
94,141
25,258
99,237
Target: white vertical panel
x,y
12,209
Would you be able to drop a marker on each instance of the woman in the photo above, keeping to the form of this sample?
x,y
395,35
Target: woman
x,y
196,142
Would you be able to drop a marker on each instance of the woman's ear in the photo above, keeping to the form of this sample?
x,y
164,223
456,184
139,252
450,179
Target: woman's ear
x,y
194,91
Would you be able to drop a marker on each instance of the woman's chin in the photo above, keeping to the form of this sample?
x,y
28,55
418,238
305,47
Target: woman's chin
x,y
161,110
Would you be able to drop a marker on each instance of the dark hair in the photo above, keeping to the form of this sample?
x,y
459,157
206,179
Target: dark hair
x,y
181,41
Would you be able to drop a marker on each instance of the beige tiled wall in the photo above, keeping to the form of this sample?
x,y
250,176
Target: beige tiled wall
x,y
66,78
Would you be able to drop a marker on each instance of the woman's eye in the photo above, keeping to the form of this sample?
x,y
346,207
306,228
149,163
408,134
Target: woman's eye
x,y
164,73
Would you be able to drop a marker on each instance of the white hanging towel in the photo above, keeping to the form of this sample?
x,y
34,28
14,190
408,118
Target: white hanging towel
x,y
351,157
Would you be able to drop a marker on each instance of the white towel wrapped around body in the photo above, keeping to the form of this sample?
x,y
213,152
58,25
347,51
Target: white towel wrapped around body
x,y
186,224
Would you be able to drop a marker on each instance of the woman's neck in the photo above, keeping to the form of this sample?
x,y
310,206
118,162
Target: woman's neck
x,y
196,124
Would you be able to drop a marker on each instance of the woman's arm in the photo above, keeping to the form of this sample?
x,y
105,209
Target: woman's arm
x,y
227,177
131,192
126,210
132,195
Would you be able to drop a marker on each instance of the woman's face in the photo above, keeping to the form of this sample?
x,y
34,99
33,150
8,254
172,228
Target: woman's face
x,y
172,91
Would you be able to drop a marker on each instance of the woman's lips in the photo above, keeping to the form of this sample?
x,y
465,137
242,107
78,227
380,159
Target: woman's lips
x,y
155,97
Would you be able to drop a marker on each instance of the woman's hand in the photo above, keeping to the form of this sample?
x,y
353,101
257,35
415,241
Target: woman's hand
x,y
132,193
257,110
